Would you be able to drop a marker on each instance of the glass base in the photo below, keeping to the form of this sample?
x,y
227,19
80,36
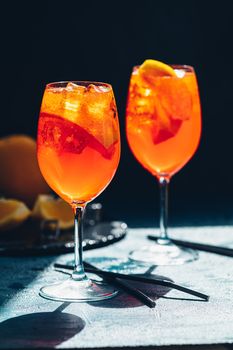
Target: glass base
x,y
163,254
78,291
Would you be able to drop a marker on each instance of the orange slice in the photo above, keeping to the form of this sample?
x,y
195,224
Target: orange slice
x,y
152,68
49,208
12,213
175,98
172,99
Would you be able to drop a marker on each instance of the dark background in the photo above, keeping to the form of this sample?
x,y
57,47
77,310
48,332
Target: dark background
x,y
101,40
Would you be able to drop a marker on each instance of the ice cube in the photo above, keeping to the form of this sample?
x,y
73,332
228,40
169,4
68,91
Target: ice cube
x,y
103,88
52,100
98,106
72,87
180,73
98,88
91,88
98,100
73,98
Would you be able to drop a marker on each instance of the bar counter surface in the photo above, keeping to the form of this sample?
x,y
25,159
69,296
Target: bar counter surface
x,y
29,321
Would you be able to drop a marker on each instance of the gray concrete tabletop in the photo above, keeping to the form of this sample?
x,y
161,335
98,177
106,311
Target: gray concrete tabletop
x,y
29,321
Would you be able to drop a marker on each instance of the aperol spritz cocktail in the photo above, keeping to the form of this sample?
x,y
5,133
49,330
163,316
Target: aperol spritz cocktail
x,y
78,140
163,130
78,154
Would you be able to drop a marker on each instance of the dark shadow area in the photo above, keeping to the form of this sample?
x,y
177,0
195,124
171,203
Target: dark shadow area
x,y
19,272
217,212
155,292
39,330
125,300
122,301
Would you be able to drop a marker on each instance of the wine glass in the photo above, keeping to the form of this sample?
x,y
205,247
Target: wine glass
x,y
78,148
163,125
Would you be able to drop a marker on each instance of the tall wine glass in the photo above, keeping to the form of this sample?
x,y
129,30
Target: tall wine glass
x,y
163,125
78,153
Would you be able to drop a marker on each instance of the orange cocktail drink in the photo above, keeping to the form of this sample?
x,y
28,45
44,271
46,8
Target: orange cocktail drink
x,y
78,140
78,153
163,125
163,119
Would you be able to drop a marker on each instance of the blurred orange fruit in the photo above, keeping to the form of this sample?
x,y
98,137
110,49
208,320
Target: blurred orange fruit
x,y
20,176
49,208
12,213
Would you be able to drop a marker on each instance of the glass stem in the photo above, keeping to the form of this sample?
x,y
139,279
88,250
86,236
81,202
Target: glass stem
x,y
78,273
163,184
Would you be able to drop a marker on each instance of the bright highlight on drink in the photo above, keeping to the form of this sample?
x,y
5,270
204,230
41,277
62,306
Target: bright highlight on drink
x,y
163,129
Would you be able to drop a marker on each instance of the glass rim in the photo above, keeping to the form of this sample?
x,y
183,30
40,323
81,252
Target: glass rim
x,y
188,68
64,83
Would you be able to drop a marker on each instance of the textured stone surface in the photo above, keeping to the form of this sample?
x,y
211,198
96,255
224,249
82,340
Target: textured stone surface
x,y
27,320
